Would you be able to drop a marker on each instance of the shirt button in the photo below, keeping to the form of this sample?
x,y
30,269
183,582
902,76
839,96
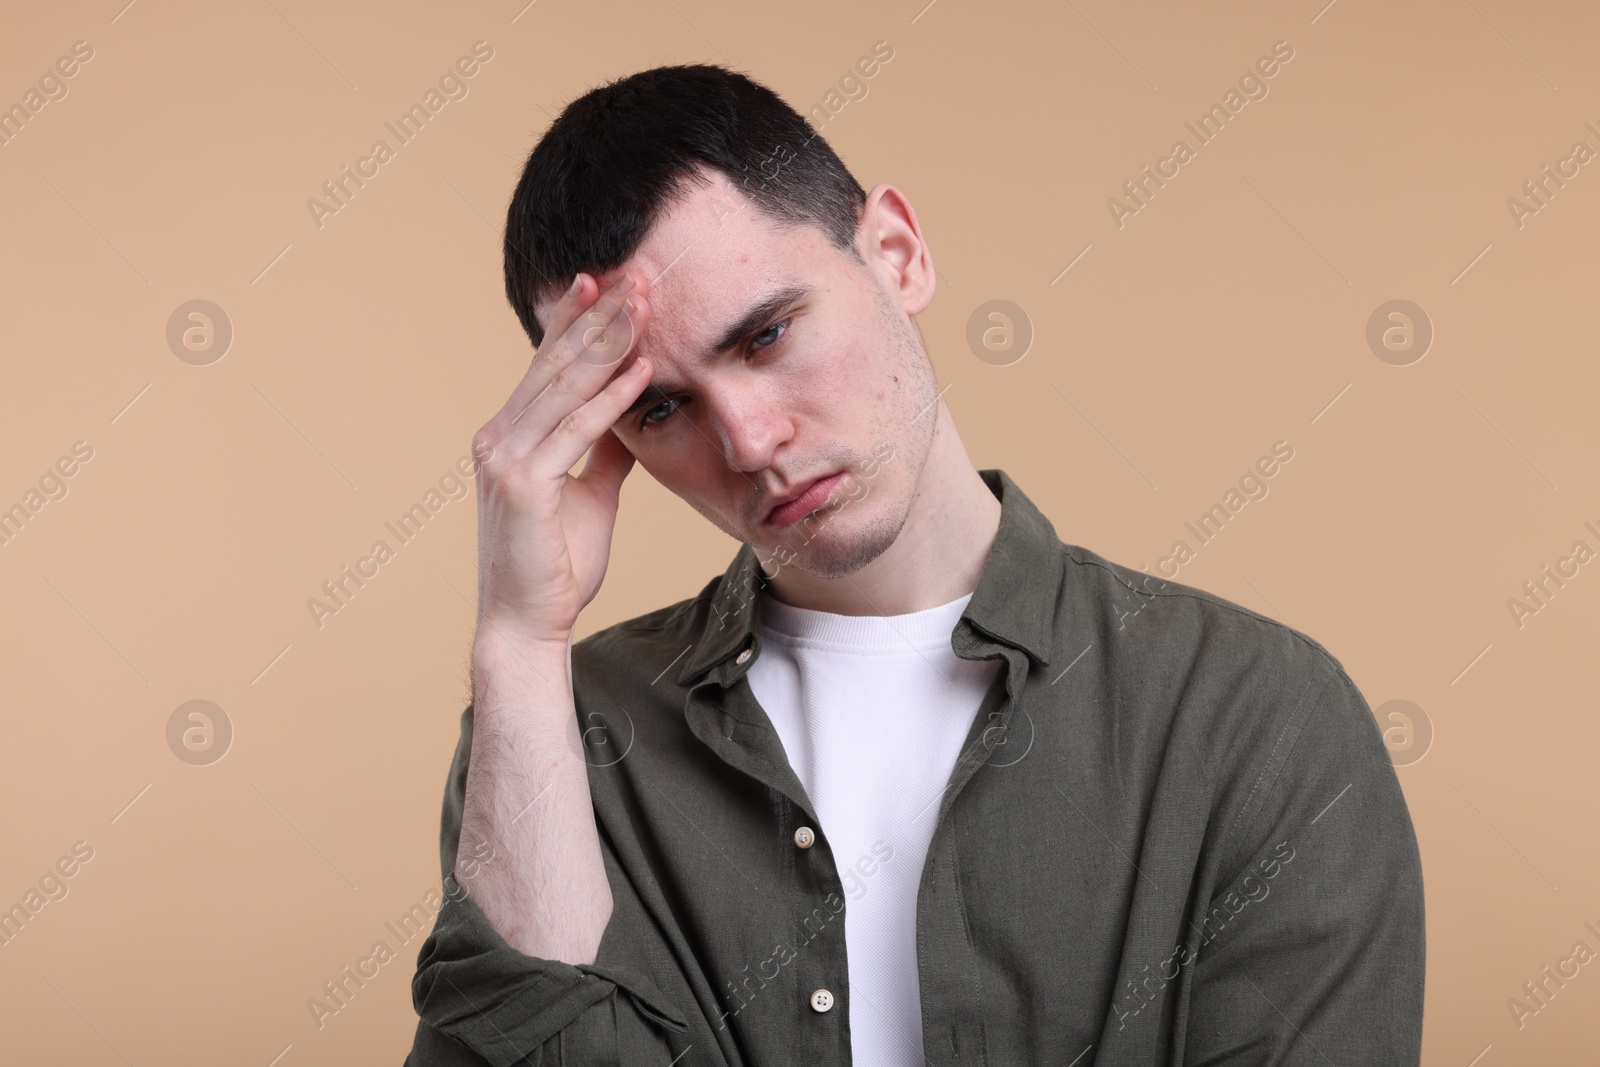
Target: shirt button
x,y
803,837
743,657
821,1000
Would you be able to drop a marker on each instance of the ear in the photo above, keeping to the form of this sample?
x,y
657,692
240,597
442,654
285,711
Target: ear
x,y
890,240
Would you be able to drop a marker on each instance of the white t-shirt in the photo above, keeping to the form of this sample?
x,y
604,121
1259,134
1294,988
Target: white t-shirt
x,y
872,711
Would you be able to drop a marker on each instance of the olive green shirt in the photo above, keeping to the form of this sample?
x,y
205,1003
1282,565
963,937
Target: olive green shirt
x,y
1174,836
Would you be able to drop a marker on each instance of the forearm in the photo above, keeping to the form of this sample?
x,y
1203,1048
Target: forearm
x,y
527,797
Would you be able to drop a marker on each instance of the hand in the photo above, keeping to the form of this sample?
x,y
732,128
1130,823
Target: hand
x,y
544,536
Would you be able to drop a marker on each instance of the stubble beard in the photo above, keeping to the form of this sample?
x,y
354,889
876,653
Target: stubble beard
x,y
833,557
849,550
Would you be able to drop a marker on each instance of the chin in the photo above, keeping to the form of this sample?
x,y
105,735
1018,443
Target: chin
x,y
837,550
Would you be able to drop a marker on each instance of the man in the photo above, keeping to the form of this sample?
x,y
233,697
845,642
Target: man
x,y
912,782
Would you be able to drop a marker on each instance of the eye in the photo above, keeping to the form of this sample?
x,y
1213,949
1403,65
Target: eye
x,y
782,327
767,338
648,421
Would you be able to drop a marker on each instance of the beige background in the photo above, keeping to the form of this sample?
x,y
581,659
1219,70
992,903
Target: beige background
x,y
1228,314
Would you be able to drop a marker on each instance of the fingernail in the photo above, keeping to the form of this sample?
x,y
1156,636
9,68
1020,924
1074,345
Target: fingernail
x,y
624,284
577,283
627,305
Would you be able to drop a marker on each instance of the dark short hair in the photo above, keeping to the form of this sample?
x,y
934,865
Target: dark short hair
x,y
616,156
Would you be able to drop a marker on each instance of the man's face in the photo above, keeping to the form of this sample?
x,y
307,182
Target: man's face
x,y
823,374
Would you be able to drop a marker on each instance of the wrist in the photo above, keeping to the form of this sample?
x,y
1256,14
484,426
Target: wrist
x,y
502,656
500,636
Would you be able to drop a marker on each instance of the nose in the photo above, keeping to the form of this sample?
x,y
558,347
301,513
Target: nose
x,y
750,424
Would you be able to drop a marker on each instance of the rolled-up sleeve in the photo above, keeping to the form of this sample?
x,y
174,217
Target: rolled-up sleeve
x,y
1312,952
481,1001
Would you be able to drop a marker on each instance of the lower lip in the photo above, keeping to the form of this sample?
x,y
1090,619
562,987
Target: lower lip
x,y
807,502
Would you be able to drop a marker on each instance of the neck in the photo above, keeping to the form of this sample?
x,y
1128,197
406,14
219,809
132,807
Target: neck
x,y
939,554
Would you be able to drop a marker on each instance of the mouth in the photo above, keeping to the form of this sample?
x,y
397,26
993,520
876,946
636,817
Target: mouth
x,y
811,497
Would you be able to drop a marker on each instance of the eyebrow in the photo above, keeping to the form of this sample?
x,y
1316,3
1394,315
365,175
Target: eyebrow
x,y
753,320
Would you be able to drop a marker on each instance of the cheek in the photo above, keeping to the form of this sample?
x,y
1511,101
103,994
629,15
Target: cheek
x,y
688,467
665,467
850,377
832,394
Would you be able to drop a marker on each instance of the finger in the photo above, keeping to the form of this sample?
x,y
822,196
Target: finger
x,y
572,302
488,442
577,432
575,385
608,464
578,318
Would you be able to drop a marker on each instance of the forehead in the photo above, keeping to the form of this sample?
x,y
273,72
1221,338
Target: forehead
x,y
709,255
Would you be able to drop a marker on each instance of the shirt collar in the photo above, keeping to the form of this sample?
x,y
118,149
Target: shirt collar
x,y
1014,603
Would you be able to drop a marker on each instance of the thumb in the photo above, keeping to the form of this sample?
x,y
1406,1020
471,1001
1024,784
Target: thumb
x,y
608,464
